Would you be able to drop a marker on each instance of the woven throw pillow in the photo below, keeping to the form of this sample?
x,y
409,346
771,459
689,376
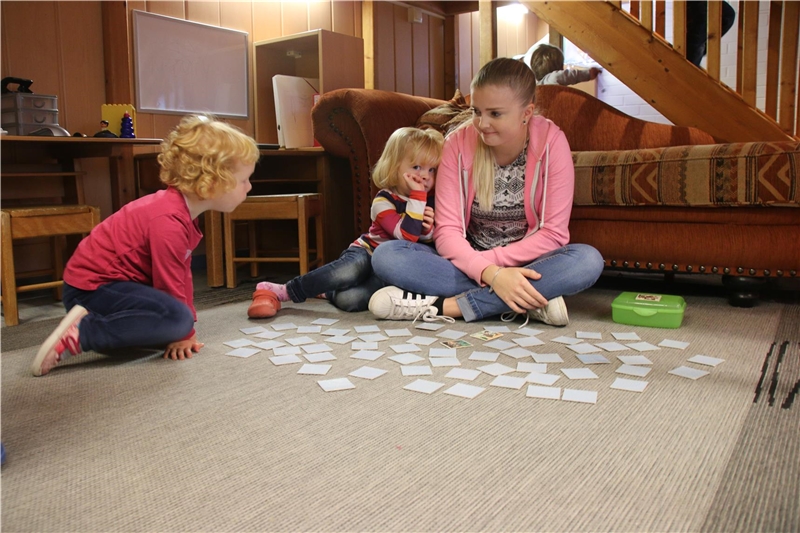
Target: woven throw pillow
x,y
448,116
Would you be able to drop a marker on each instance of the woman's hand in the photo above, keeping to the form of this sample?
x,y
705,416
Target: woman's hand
x,y
427,219
512,286
180,350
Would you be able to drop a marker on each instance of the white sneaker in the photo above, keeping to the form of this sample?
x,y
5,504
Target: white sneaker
x,y
554,313
393,303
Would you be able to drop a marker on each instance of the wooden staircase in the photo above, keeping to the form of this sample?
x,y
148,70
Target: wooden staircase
x,y
636,52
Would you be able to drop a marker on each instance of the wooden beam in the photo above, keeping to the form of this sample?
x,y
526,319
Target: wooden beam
x,y
749,13
713,39
368,34
488,31
788,80
679,26
656,72
773,57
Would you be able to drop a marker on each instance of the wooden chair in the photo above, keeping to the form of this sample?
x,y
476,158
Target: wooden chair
x,y
53,221
298,207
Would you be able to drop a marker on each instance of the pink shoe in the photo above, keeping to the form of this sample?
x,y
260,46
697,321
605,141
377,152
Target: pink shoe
x,y
65,339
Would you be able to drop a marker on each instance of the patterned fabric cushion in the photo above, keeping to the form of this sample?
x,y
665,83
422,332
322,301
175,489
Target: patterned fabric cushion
x,y
738,174
448,116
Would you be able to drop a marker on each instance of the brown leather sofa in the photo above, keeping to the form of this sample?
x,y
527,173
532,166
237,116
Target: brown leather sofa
x,y
650,197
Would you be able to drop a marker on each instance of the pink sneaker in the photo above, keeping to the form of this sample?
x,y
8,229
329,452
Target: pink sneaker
x,y
65,339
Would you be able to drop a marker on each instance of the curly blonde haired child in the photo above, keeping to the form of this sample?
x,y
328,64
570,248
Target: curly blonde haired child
x,y
129,283
401,210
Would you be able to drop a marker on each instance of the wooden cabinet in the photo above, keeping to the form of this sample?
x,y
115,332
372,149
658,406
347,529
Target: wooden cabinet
x,y
335,58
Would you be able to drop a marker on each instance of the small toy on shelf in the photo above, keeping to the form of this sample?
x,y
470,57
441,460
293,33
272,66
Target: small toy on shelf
x,y
104,131
126,130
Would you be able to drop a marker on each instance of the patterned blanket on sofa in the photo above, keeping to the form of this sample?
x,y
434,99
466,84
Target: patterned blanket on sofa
x,y
715,175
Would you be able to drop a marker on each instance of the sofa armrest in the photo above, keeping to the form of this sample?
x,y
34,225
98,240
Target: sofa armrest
x,y
355,124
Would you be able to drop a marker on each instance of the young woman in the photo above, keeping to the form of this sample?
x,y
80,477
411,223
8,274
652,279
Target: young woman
x,y
504,197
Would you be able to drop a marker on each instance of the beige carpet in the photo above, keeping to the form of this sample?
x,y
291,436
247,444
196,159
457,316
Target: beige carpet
x,y
220,443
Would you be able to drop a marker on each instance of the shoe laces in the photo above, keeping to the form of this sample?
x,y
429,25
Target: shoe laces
x,y
430,315
512,316
69,342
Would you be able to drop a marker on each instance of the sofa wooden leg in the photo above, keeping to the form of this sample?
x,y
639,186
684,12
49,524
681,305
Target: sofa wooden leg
x,y
743,291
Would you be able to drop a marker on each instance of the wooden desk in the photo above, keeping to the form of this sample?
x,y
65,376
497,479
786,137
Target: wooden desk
x,y
294,171
19,151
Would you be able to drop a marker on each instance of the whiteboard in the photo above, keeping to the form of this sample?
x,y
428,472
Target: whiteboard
x,y
186,67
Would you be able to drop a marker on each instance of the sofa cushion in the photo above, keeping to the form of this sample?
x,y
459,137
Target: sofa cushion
x,y
739,174
447,116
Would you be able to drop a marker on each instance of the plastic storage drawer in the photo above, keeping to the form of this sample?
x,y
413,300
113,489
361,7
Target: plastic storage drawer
x,y
29,116
11,101
650,310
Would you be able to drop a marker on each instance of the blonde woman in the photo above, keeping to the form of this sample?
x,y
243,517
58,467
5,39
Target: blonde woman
x,y
129,283
504,197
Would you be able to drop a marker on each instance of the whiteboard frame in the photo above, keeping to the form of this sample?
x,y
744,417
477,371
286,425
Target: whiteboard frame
x,y
144,100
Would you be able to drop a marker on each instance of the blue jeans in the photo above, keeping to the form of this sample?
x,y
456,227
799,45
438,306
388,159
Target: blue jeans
x,y
347,282
418,268
125,314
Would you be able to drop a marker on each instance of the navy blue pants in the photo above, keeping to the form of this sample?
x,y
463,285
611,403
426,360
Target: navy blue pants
x,y
125,314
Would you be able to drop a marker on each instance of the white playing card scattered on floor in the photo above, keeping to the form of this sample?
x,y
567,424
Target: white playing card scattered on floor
x,y
539,368
451,334
592,358
367,329
508,382
643,346
367,372
406,358
344,339
542,379
299,341
688,372
309,329
518,352
335,332
498,329
398,332
579,373
319,357
527,331
243,352
527,342
286,350
405,348
279,360
418,370
238,343
361,345
325,321
634,370
626,336
680,345
467,374
464,391
253,330
547,358
484,356
428,326
632,385
500,345
634,360
316,370
367,355
580,396
316,348
442,352
588,335
422,341
613,347
496,369
583,347
331,385
373,337
269,335
705,360
424,386
547,393
283,326
566,340
269,345
438,362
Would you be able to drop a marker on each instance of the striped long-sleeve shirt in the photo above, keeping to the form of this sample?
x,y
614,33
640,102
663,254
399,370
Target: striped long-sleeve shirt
x,y
396,217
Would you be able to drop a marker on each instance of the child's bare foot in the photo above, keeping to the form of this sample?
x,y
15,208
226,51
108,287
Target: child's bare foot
x,y
264,305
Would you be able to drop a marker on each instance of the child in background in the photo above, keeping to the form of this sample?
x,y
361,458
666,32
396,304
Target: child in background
x,y
547,64
405,174
129,283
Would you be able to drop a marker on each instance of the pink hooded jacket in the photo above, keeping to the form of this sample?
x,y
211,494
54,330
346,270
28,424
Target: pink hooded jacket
x,y
549,188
